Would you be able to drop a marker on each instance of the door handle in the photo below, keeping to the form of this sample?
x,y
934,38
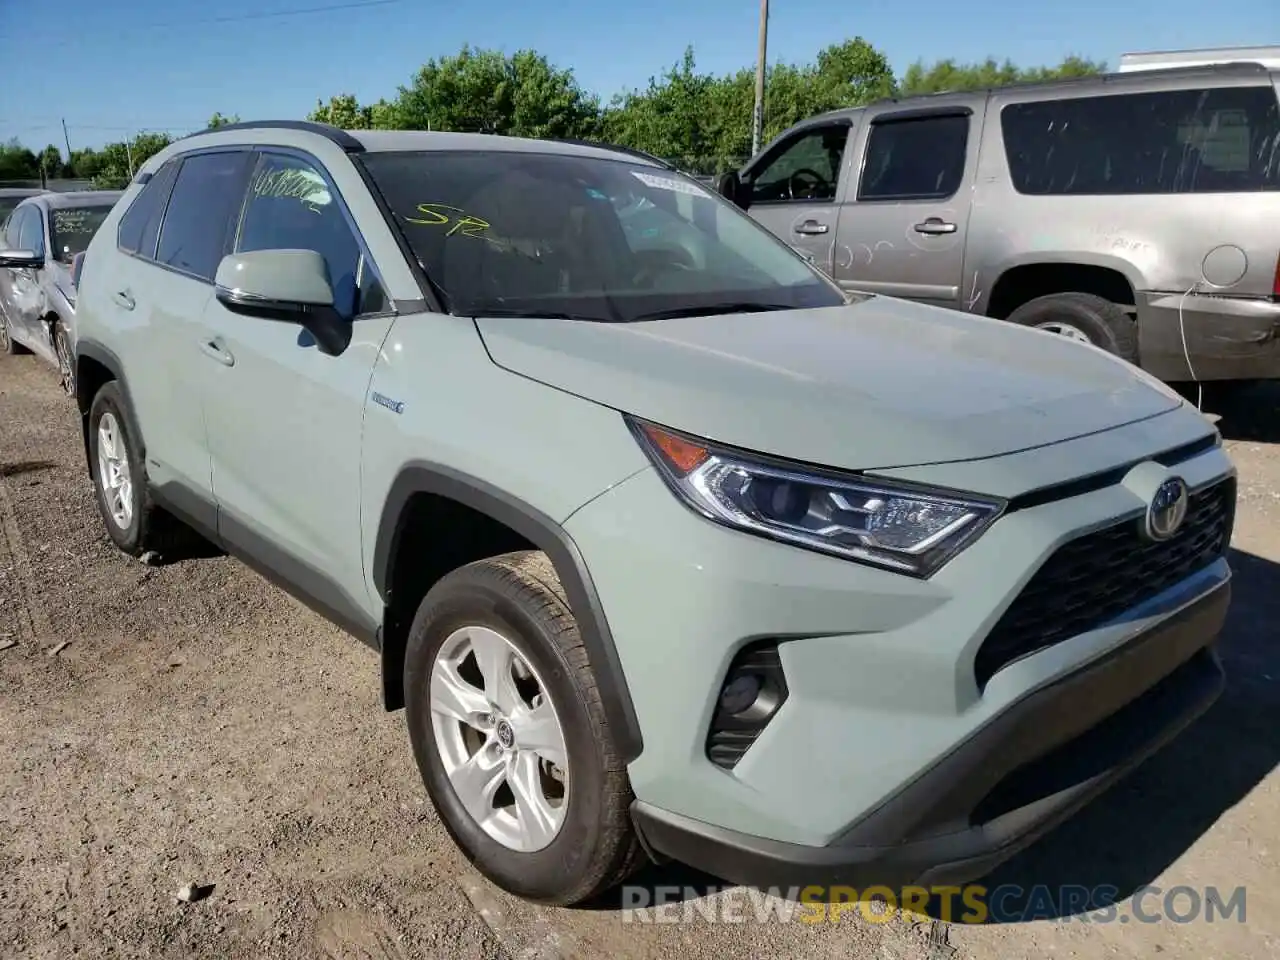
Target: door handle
x,y
935,226
811,228
124,299
212,348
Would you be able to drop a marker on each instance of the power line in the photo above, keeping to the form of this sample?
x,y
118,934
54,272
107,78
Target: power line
x,y
62,40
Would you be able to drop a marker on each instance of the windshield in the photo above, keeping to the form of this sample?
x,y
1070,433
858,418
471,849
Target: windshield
x,y
71,229
505,233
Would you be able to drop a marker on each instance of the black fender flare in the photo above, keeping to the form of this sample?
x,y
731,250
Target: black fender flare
x,y
548,536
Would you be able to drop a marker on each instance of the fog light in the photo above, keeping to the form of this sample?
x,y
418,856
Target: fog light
x,y
740,693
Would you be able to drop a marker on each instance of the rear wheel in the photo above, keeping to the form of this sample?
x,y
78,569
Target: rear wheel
x,y
135,523
1085,317
509,734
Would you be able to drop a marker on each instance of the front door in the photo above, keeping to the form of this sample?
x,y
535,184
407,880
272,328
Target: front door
x,y
794,190
902,228
285,428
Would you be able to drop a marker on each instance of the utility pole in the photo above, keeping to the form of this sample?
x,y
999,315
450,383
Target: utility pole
x,y
757,124
128,152
66,137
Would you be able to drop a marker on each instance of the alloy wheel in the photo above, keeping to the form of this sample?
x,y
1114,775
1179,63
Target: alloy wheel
x,y
499,738
114,475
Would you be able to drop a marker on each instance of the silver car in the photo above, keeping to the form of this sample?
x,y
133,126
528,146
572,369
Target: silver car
x,y
40,244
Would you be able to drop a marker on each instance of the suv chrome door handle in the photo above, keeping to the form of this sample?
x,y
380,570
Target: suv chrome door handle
x,y
212,348
934,226
123,298
811,228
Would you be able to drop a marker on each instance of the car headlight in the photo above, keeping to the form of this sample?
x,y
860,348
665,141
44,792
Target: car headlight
x,y
900,527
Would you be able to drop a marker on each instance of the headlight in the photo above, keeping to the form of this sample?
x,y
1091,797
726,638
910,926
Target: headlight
x,y
903,528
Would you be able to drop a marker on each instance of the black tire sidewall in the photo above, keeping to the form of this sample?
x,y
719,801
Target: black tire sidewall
x,y
110,400
1078,311
549,873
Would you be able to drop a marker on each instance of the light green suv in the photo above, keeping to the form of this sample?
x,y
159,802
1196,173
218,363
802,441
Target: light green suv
x,y
668,546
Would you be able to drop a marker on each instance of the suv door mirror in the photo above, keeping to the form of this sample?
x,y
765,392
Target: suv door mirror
x,y
730,186
291,286
21,259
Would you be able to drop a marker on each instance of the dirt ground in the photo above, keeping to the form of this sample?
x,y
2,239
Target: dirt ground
x,y
192,724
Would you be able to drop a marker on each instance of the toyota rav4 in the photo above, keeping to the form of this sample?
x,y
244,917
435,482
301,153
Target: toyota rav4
x,y
668,546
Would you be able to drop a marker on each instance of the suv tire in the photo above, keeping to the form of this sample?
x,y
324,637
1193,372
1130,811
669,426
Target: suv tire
x,y
9,346
517,598
1103,323
135,523
66,358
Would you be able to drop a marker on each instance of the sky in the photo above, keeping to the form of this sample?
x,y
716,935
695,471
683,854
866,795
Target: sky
x,y
111,68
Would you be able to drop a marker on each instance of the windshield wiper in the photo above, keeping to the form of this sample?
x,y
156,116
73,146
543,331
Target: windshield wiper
x,y
713,309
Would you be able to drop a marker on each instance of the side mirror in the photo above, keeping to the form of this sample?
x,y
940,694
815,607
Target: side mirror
x,y
291,286
730,186
21,259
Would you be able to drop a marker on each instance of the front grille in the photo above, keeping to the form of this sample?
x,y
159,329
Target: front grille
x,y
1096,578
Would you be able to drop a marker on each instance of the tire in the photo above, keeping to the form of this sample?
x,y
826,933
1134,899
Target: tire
x,y
8,346
148,528
66,359
1103,323
518,597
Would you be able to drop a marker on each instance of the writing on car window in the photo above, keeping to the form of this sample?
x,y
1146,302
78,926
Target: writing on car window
x,y
303,185
459,221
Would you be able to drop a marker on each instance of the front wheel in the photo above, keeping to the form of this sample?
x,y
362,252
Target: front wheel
x,y
8,346
66,359
508,731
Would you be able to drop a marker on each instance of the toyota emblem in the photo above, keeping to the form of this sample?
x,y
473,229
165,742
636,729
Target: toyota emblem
x,y
1167,510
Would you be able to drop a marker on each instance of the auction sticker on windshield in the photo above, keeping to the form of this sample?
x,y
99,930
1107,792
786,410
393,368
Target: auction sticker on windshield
x,y
668,183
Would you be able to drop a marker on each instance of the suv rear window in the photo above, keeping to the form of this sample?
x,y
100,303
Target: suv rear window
x,y
1222,140
141,222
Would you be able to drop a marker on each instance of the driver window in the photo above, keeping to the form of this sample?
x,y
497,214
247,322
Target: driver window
x,y
806,170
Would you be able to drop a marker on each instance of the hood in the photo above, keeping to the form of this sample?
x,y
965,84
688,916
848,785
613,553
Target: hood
x,y
872,385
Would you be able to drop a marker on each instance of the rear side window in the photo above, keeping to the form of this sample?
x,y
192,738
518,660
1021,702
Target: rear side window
x,y
918,159
206,199
1223,140
141,222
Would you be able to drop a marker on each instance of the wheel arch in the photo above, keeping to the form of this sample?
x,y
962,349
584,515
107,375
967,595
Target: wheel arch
x,y
436,480
96,366
1022,279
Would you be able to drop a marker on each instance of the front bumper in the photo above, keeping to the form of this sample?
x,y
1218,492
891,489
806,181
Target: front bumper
x,y
1227,338
1024,772
880,669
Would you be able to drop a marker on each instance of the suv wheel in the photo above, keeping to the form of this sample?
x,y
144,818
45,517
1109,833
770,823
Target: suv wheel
x,y
66,362
1083,316
507,728
134,522
9,346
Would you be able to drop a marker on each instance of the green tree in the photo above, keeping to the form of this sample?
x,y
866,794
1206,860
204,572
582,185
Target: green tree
x,y
119,161
51,162
948,75
17,162
219,120
483,91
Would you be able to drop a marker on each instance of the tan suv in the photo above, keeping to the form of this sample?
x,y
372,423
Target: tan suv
x,y
1138,211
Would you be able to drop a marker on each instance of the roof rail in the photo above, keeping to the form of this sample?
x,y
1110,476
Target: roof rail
x,y
340,137
601,145
1241,68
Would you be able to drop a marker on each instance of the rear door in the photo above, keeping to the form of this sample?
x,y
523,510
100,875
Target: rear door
x,y
795,188
22,305
179,235
903,226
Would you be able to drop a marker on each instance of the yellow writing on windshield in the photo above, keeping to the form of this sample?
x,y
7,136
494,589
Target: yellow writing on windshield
x,y
465,225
